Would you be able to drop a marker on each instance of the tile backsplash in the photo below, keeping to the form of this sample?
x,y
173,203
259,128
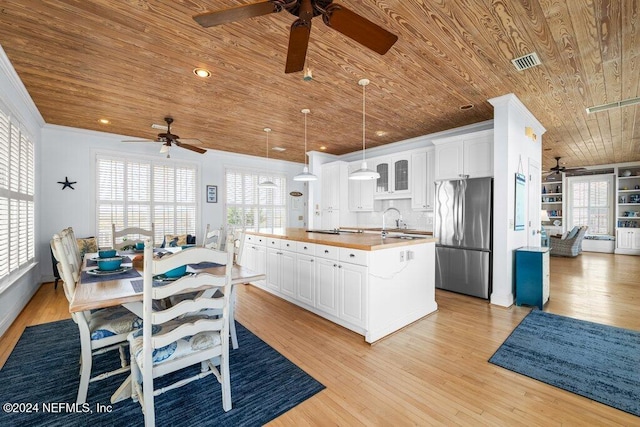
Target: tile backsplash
x,y
418,220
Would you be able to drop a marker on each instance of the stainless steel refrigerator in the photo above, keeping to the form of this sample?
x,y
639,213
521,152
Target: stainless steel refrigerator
x,y
463,227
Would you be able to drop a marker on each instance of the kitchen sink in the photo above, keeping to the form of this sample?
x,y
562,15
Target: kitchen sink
x,y
408,237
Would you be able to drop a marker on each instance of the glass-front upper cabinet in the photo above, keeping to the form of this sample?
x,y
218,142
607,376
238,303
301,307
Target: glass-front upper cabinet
x,y
394,177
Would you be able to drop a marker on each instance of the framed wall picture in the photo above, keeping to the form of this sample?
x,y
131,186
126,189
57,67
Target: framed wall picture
x,y
212,194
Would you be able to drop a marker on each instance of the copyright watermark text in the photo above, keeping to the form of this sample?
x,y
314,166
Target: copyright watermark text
x,y
54,408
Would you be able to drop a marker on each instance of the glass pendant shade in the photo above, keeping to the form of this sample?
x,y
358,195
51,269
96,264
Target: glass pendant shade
x,y
305,175
364,173
267,183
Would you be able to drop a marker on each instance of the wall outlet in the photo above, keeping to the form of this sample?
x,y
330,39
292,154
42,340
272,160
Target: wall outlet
x,y
401,256
410,255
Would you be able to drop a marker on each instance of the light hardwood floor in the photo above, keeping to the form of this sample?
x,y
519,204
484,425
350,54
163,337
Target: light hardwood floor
x,y
435,371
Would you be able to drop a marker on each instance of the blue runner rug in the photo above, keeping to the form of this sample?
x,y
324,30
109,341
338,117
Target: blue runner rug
x,y
596,361
43,370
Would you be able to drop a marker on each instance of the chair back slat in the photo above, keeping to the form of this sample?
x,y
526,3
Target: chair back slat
x,y
132,235
185,330
186,283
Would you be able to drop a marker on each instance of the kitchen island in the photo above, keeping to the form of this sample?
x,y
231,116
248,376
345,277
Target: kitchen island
x,y
368,284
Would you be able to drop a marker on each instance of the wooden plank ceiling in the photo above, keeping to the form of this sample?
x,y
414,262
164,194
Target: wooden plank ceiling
x,y
131,62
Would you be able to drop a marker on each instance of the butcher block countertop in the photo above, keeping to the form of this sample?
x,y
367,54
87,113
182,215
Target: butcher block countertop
x,y
362,241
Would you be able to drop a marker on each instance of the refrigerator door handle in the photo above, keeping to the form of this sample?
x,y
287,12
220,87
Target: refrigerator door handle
x,y
463,196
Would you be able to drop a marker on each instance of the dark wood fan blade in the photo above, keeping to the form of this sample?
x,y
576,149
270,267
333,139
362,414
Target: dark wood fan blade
x,y
191,147
298,43
211,19
192,141
359,29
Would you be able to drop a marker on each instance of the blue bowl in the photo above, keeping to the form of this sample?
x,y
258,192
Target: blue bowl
x,y
107,253
187,246
176,272
140,246
109,264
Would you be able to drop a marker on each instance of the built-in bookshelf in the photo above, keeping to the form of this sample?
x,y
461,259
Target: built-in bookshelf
x,y
553,202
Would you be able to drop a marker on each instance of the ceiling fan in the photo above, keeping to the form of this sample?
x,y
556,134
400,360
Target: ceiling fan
x,y
557,170
339,18
168,139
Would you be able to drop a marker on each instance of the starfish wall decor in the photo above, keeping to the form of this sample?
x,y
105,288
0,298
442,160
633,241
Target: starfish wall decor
x,y
66,183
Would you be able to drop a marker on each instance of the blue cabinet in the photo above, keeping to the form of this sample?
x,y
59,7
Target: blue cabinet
x,y
532,276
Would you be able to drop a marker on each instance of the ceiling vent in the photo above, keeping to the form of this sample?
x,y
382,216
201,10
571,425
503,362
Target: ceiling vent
x,y
617,104
278,149
527,61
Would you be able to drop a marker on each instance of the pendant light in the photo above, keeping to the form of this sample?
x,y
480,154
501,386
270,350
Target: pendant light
x,y
305,175
364,173
267,183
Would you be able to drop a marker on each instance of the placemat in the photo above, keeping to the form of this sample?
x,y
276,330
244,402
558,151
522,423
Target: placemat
x,y
204,264
138,285
89,278
94,262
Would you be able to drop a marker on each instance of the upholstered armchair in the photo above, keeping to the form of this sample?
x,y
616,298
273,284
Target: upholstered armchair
x,y
569,246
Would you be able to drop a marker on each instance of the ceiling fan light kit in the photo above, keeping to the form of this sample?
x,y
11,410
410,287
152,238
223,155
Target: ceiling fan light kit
x,y
267,183
305,175
364,173
335,16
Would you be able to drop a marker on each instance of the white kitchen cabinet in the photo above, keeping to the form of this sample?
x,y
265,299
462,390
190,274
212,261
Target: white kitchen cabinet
x,y
464,156
254,256
422,183
628,241
334,195
352,287
306,279
395,172
360,192
327,285
281,274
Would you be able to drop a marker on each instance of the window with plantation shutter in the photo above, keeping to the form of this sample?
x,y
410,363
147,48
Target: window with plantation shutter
x,y
252,207
17,216
591,203
137,193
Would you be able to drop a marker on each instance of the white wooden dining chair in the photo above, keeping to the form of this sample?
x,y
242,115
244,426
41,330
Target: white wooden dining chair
x,y
130,236
100,330
211,238
182,335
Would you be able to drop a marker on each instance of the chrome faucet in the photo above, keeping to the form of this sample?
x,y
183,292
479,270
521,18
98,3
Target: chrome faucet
x,y
384,228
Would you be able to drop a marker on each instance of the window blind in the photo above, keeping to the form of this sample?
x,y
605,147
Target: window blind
x,y
137,193
247,205
17,188
591,203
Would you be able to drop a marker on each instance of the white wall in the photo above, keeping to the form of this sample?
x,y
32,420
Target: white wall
x,y
18,288
71,152
512,152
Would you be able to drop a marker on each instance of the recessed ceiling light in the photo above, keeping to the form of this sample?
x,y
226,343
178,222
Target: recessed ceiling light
x,y
381,133
202,72
322,147
466,107
104,121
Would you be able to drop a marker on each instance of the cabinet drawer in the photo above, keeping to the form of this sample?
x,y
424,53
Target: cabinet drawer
x,y
354,256
273,243
288,245
255,240
326,251
306,248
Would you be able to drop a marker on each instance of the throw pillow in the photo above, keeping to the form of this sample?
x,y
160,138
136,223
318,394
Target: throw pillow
x,y
573,232
174,240
87,245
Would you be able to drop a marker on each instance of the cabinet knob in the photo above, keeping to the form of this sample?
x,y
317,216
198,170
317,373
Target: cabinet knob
x,y
351,256
339,266
335,265
326,251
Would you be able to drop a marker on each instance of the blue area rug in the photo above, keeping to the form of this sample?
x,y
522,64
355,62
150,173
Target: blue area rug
x,y
596,361
43,368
